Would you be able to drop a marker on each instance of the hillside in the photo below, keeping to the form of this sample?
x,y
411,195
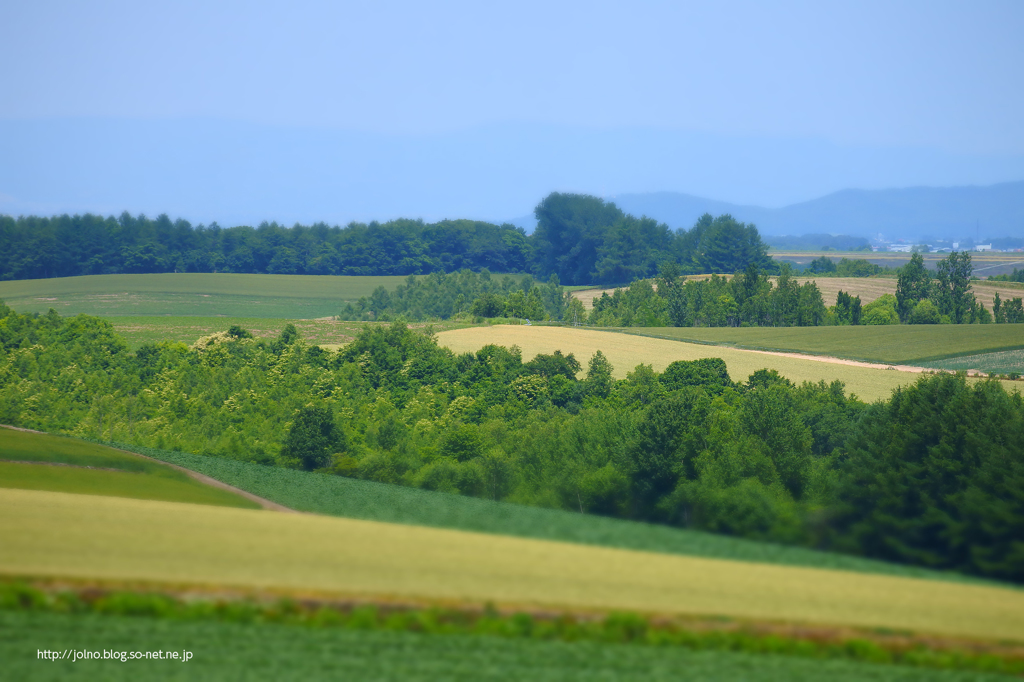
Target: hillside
x,y
165,542
369,500
625,352
36,461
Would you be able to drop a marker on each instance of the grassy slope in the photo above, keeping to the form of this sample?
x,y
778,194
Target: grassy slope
x,y
137,478
892,344
228,651
336,496
193,294
106,538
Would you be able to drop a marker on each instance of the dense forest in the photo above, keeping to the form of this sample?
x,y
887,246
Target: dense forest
x,y
579,238
933,476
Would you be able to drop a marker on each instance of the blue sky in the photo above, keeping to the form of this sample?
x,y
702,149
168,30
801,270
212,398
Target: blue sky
x,y
239,112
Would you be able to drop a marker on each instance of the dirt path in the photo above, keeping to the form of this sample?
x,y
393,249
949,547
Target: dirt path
x,y
195,475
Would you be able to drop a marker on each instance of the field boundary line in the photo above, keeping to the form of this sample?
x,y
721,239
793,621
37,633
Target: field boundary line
x,y
312,601
65,464
195,475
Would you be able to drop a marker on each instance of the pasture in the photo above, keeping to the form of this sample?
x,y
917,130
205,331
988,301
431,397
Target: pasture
x,y
32,461
887,344
193,294
281,653
626,351
372,501
58,535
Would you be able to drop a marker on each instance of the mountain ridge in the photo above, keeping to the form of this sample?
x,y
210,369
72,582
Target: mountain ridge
x,y
976,212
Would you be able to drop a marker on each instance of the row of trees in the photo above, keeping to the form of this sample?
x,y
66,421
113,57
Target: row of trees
x,y
747,299
948,297
85,245
750,298
1016,276
824,266
932,476
579,238
443,296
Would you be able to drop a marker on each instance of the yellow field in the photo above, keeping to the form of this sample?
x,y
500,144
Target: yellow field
x,y
626,351
50,534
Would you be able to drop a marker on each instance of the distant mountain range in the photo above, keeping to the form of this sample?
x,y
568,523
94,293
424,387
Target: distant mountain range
x,y
913,213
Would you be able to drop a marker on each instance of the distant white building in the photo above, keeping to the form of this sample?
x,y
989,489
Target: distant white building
x,y
902,248
982,247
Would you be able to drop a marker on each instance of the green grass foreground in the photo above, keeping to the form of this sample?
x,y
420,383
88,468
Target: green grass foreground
x,y
134,477
353,498
891,344
288,640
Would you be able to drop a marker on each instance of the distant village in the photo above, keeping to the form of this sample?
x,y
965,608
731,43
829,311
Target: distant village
x,y
902,246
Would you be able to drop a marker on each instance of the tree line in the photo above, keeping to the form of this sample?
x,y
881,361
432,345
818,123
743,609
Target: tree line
x,y
579,238
466,293
751,298
931,476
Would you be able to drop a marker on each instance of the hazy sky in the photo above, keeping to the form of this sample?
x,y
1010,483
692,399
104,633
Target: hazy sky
x,y
481,108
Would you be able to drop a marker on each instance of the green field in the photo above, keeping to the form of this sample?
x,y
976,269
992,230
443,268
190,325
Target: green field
x,y
229,651
1005,362
134,477
353,498
193,294
893,344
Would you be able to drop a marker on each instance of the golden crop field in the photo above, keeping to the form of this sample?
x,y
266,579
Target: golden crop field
x,y
626,351
48,534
